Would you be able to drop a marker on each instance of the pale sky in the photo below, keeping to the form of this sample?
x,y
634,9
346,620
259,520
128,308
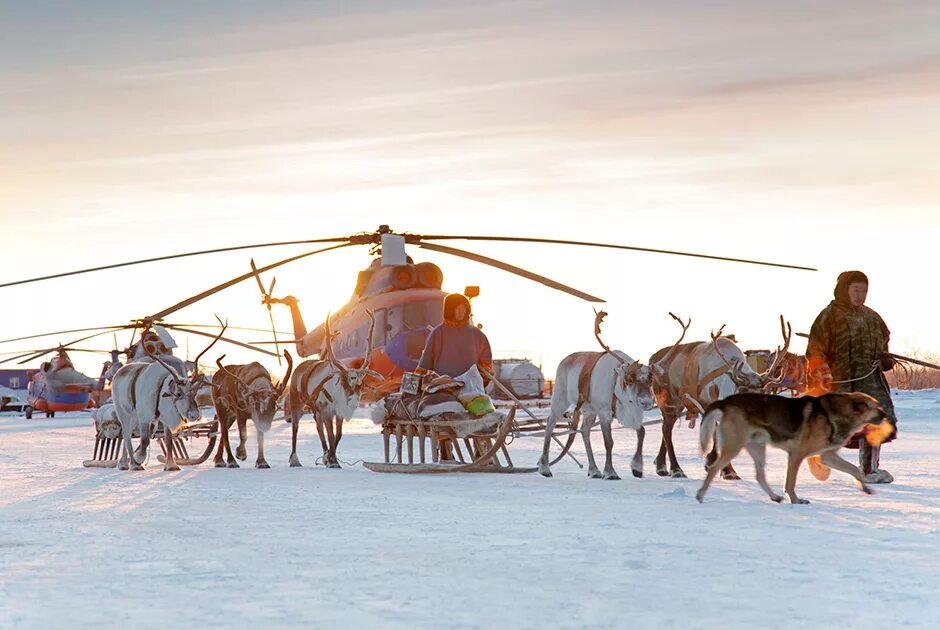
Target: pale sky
x,y
802,132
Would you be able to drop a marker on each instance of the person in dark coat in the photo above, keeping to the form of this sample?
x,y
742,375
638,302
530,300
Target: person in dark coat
x,y
456,345
848,352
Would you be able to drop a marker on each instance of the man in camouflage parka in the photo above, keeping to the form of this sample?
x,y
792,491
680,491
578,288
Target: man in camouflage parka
x,y
847,352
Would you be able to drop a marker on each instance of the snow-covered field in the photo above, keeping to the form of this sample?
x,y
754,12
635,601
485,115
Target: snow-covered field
x,y
313,547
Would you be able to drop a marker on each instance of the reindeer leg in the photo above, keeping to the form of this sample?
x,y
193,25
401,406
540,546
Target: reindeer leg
x,y
550,423
228,441
609,472
241,452
586,425
260,462
224,424
339,436
636,465
294,425
323,444
139,456
127,454
170,463
674,469
660,461
330,450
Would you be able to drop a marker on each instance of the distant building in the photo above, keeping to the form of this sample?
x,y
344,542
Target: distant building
x,y
14,379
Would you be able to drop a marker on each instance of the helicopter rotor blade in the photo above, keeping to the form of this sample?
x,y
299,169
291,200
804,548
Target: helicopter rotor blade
x,y
226,339
247,328
417,239
511,269
254,270
67,332
342,239
201,296
283,342
265,299
30,356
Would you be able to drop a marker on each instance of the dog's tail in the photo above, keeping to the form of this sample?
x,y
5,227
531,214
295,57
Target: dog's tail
x,y
709,428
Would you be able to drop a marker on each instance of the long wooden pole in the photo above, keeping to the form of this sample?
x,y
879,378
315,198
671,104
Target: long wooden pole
x,y
899,357
506,391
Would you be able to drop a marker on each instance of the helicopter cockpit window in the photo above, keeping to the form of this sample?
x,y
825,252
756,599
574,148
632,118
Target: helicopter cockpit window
x,y
414,315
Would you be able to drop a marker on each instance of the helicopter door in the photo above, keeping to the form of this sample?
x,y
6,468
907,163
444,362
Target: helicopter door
x,y
381,328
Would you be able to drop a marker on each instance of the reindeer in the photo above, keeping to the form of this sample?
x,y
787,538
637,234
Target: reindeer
x,y
331,391
240,392
146,391
602,385
692,376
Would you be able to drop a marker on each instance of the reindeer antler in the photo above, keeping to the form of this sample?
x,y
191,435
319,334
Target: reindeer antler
x,y
786,330
214,341
328,339
598,319
715,337
668,356
290,366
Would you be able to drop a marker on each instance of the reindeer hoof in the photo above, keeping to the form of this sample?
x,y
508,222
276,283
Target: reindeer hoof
x,y
241,453
233,464
638,474
262,465
295,462
611,476
136,466
799,501
595,474
678,474
333,465
731,476
867,490
700,496
663,472
173,468
221,464
545,473
777,498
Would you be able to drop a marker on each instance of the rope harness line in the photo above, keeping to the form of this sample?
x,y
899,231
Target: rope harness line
x,y
874,367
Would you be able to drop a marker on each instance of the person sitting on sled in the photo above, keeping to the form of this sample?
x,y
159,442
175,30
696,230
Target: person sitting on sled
x,y
456,345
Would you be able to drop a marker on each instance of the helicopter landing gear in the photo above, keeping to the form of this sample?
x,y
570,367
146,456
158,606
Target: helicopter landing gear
x,y
50,414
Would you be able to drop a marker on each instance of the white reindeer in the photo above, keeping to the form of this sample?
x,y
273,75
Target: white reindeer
x,y
600,386
144,392
331,391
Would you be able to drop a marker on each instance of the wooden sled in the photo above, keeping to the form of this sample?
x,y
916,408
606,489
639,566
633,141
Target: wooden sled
x,y
484,449
109,444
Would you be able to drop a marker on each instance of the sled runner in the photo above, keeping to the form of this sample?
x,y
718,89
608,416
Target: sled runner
x,y
109,442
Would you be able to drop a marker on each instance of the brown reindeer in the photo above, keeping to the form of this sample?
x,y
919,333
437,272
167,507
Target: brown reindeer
x,y
691,376
240,392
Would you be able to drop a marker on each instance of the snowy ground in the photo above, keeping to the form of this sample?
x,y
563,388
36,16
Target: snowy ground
x,y
313,547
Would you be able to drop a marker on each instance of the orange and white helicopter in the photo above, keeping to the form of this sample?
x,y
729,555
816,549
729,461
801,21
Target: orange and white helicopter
x,y
405,297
